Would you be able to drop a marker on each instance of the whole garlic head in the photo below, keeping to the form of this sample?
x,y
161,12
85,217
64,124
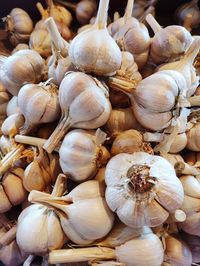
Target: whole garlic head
x,y
142,188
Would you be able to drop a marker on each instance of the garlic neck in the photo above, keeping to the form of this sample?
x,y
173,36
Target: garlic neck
x,y
139,180
102,14
153,23
129,9
192,51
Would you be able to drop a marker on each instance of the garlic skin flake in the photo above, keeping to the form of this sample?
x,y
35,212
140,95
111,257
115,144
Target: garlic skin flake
x,y
142,189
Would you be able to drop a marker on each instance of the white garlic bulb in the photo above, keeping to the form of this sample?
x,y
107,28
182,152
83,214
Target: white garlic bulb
x,y
22,67
142,188
12,124
103,57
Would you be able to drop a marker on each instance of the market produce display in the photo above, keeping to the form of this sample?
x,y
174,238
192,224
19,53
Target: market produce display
x,y
100,136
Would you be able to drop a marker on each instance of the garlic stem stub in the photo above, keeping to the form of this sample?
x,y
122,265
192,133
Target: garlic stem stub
x,y
142,189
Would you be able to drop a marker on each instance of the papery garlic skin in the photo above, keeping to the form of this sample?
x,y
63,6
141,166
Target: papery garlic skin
x,y
39,219
22,67
142,189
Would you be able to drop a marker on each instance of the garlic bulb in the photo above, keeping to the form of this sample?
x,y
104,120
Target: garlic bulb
x,y
12,106
84,104
103,57
42,172
4,99
41,219
22,67
185,66
59,63
121,119
131,36
130,253
177,251
12,124
189,8
77,210
12,192
142,188
45,97
19,26
20,46
130,141
168,43
81,153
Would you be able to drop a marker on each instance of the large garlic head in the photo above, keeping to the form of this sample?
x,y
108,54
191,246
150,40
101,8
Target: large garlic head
x,y
142,188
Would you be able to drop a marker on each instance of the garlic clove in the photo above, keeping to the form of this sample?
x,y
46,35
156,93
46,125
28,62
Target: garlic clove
x,y
191,186
12,107
190,205
191,224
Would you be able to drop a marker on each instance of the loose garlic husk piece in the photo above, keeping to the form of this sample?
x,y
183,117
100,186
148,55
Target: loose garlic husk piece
x,y
168,43
185,66
81,154
12,106
130,141
142,188
19,26
22,67
177,251
59,63
103,57
84,103
4,99
41,219
130,253
42,172
131,36
77,210
188,8
12,124
45,97
12,190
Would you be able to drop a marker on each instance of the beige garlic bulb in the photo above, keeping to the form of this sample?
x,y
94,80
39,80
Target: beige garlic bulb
x,y
12,192
103,57
131,36
130,253
22,67
142,189
12,106
177,252
41,219
130,141
185,66
81,153
42,172
59,63
84,104
45,97
168,43
121,119
19,26
12,124
77,210
188,8
4,99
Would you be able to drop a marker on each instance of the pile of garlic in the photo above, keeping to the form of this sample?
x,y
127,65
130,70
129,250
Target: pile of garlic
x,y
99,144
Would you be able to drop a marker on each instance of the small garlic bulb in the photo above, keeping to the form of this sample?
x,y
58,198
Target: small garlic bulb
x,y
103,57
45,97
142,189
12,192
84,104
12,106
4,99
12,124
77,210
41,219
19,26
131,36
130,141
81,153
22,67
168,43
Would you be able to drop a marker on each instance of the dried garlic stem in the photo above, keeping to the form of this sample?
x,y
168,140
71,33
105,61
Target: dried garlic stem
x,y
102,14
29,260
122,85
67,4
42,11
186,169
39,142
149,10
194,100
129,9
80,255
153,137
153,23
8,237
10,157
